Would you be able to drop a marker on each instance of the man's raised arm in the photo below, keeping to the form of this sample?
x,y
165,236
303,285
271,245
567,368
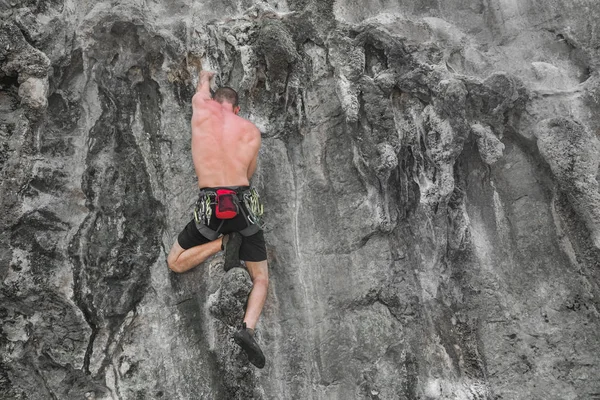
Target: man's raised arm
x,y
203,88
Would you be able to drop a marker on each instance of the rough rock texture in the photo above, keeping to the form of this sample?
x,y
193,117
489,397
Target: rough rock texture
x,y
430,176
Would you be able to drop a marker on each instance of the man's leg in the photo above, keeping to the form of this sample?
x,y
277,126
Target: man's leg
x,y
245,337
260,280
181,260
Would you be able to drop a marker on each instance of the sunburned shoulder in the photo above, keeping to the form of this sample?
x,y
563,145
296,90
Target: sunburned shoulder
x,y
199,102
253,130
245,125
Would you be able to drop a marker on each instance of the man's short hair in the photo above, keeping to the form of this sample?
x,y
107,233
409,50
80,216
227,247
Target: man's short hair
x,y
226,94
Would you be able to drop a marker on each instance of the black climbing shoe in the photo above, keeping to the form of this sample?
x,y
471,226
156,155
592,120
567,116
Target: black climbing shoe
x,y
231,245
245,339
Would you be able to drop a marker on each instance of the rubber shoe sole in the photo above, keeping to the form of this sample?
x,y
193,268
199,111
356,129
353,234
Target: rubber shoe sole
x,y
232,251
250,347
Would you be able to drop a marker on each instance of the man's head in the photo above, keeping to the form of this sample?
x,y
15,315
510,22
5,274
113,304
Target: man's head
x,y
226,95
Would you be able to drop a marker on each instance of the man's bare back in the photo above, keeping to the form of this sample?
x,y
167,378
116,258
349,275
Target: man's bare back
x,y
224,145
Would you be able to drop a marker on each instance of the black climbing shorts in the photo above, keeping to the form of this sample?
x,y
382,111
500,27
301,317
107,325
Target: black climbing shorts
x,y
253,247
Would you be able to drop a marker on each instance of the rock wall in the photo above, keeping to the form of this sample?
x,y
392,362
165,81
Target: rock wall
x,y
430,176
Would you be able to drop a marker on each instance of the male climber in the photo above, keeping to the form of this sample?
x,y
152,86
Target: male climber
x,y
224,150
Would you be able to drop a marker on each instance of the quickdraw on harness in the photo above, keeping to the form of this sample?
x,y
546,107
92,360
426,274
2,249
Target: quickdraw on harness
x,y
227,204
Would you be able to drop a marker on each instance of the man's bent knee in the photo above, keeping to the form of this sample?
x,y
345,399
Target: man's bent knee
x,y
173,256
174,266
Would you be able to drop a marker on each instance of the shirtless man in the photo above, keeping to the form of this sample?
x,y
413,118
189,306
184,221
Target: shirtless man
x,y
224,150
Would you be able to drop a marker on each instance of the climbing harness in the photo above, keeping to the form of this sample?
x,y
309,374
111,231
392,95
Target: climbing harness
x,y
228,203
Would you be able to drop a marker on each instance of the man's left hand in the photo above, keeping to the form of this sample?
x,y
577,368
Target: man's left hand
x,y
206,76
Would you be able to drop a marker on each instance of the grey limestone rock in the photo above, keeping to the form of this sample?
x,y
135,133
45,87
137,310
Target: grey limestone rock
x,y
490,147
429,171
573,155
230,300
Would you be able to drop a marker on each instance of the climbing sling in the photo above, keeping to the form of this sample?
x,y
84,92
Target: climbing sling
x,y
228,202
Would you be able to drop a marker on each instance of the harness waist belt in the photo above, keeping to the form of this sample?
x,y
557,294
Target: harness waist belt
x,y
203,211
213,190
